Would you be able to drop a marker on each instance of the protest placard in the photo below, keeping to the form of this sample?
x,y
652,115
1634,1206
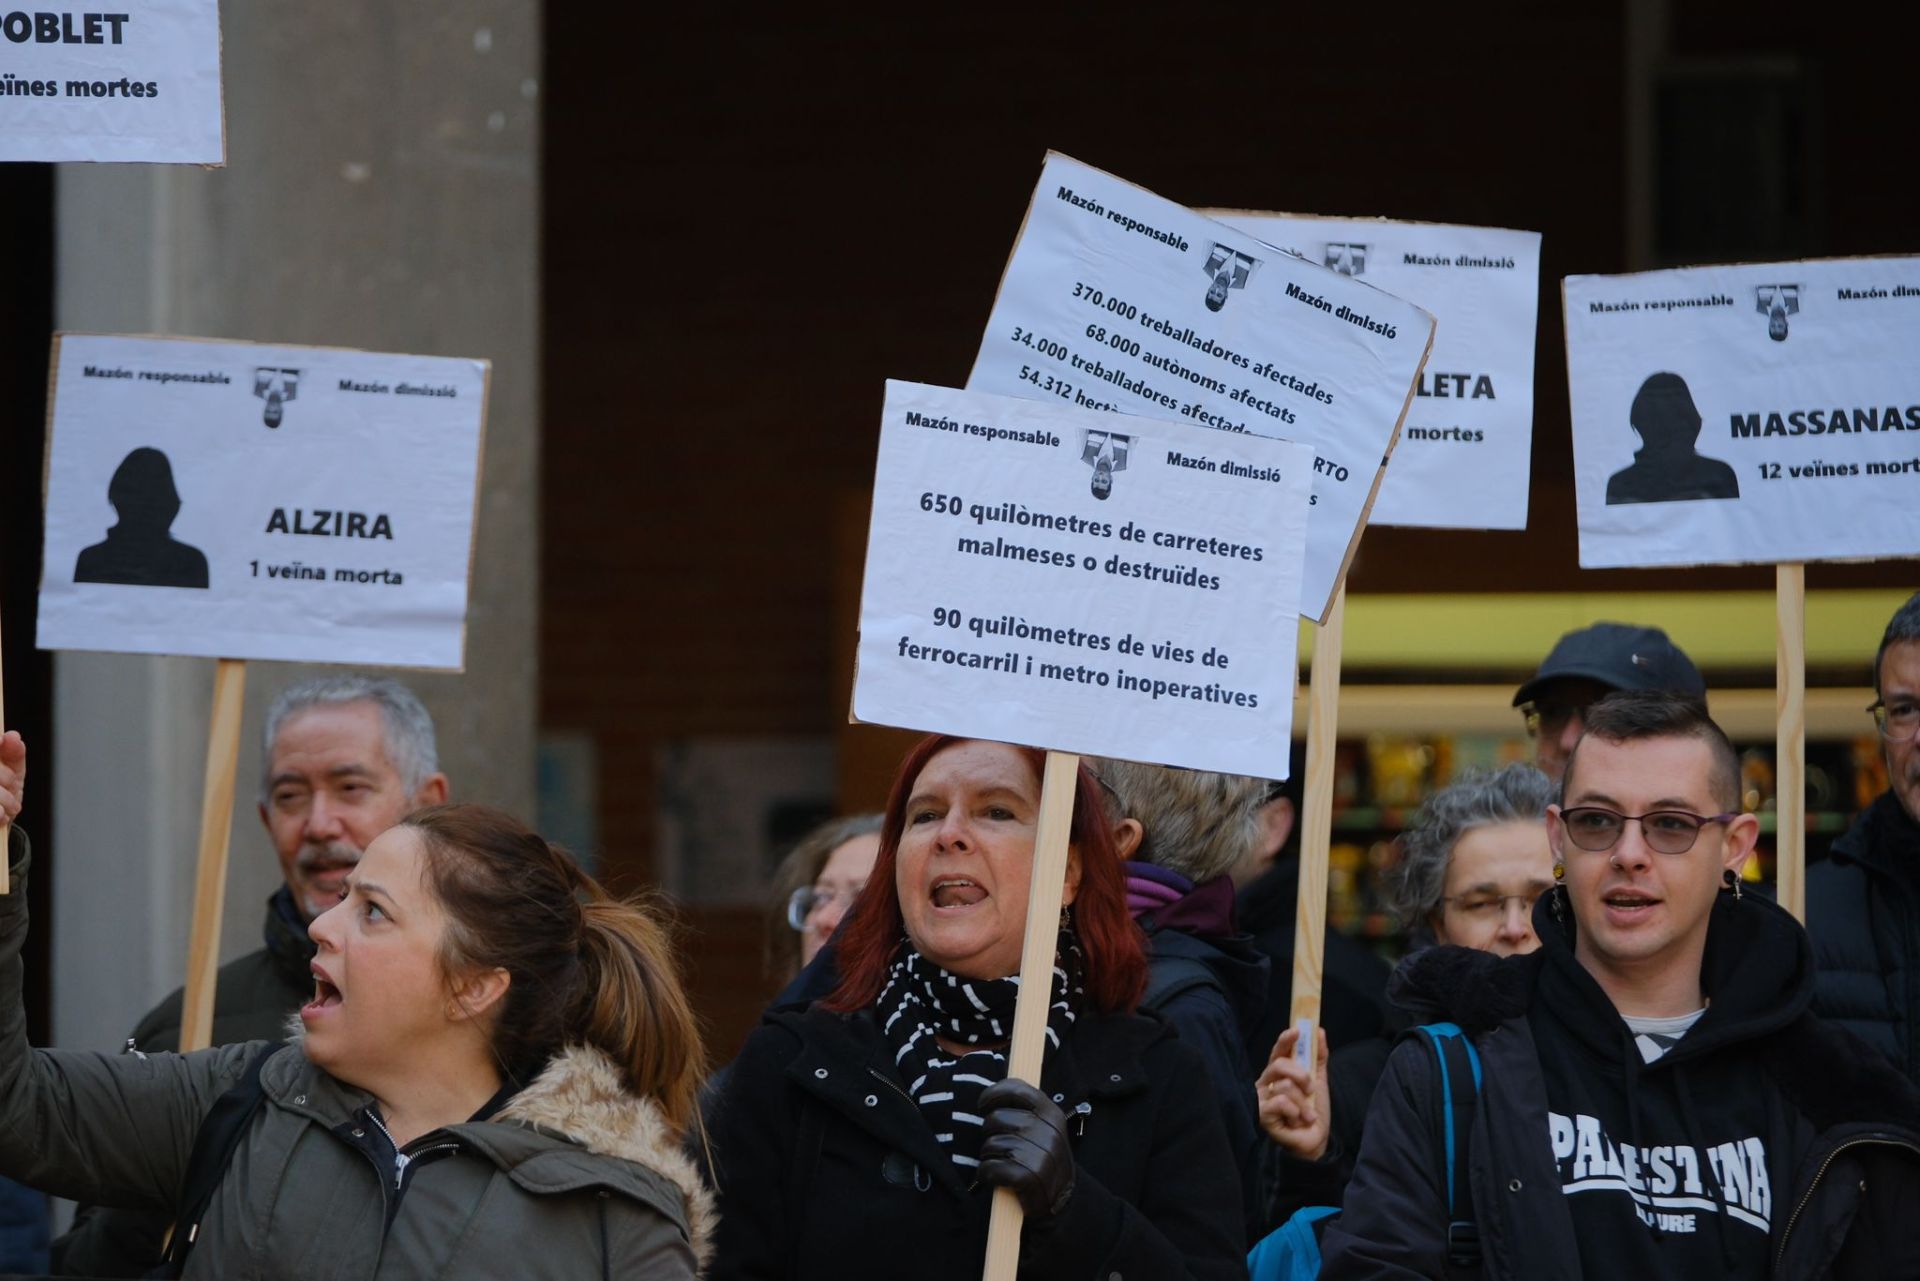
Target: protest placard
x,y
142,84
1752,413
1465,452
242,501
1116,299
234,500
1758,413
1083,581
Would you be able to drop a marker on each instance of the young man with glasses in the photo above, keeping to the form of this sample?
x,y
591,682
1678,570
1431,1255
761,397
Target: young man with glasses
x,y
1863,901
1587,665
1656,1098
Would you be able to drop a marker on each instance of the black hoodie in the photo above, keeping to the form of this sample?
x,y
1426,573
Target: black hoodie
x,y
1670,1168
1765,1143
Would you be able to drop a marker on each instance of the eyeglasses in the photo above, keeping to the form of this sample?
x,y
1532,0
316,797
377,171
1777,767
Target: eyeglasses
x,y
1549,717
1594,827
1897,721
807,900
1489,907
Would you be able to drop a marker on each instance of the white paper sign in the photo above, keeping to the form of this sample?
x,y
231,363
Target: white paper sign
x,y
1465,453
1081,581
1759,413
240,501
1117,299
84,81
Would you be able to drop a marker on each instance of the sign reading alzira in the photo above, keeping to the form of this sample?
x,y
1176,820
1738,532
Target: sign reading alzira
x,y
1759,413
232,500
1115,299
1083,581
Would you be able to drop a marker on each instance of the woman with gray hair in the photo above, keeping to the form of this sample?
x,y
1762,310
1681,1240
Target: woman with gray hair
x,y
1473,863
1475,860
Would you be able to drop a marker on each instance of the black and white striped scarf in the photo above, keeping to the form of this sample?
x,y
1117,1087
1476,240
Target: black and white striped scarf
x,y
922,1002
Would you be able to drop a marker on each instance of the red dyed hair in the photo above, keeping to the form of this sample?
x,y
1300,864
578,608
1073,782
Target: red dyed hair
x,y
1116,959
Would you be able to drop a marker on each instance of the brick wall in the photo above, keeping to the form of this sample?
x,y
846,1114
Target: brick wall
x,y
750,223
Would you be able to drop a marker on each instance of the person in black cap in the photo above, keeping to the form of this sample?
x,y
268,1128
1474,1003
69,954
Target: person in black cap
x,y
1586,665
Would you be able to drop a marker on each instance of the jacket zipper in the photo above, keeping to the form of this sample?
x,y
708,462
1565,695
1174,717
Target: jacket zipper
x,y
1820,1174
885,1080
405,1159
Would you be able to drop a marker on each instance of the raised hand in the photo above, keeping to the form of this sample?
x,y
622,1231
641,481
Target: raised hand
x,y
13,775
1296,1110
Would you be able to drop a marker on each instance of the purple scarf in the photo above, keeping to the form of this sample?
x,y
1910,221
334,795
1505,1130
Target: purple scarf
x,y
1150,888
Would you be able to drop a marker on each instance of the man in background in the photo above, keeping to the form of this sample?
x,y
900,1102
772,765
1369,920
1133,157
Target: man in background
x,y
344,758
1863,900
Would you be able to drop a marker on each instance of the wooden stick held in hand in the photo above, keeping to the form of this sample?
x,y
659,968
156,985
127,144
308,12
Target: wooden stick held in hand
x,y
1025,1054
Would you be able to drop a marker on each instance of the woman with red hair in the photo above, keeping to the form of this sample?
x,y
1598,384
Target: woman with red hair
x,y
863,1137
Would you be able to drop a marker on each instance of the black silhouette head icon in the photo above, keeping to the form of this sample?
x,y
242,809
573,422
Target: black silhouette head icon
x,y
1663,413
142,492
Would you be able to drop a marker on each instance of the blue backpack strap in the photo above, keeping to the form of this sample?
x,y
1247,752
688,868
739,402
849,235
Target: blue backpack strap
x,y
1459,1084
1291,1252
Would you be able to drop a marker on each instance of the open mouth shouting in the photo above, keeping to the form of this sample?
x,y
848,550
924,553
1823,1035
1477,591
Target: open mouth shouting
x,y
326,996
956,894
1627,907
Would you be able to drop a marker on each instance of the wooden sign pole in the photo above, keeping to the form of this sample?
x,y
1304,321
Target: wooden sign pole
x,y
216,829
1790,741
1057,786
1316,820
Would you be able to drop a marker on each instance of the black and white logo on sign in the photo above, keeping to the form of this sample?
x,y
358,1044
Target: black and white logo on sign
x,y
276,387
1349,258
1106,453
1776,303
1228,269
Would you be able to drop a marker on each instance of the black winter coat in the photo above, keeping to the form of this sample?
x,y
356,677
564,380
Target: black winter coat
x,y
1863,911
1353,995
826,1169
1848,1210
1216,992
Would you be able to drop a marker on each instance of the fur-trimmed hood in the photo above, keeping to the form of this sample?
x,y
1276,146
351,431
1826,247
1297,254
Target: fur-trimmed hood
x,y
580,1095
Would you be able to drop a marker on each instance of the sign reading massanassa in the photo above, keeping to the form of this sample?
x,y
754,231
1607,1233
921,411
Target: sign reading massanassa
x,y
1760,413
235,500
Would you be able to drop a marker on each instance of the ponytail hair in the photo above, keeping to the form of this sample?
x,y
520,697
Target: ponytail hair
x,y
584,967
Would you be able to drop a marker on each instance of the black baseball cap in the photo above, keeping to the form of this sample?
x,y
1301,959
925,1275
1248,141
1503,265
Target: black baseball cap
x,y
1619,656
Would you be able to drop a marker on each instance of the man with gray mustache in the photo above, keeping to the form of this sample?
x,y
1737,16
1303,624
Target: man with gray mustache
x,y
345,758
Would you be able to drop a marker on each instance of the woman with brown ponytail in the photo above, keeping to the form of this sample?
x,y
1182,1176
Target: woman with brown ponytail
x,y
496,1070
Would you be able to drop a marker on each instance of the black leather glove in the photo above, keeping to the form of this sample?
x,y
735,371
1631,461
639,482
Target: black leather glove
x,y
1026,1149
